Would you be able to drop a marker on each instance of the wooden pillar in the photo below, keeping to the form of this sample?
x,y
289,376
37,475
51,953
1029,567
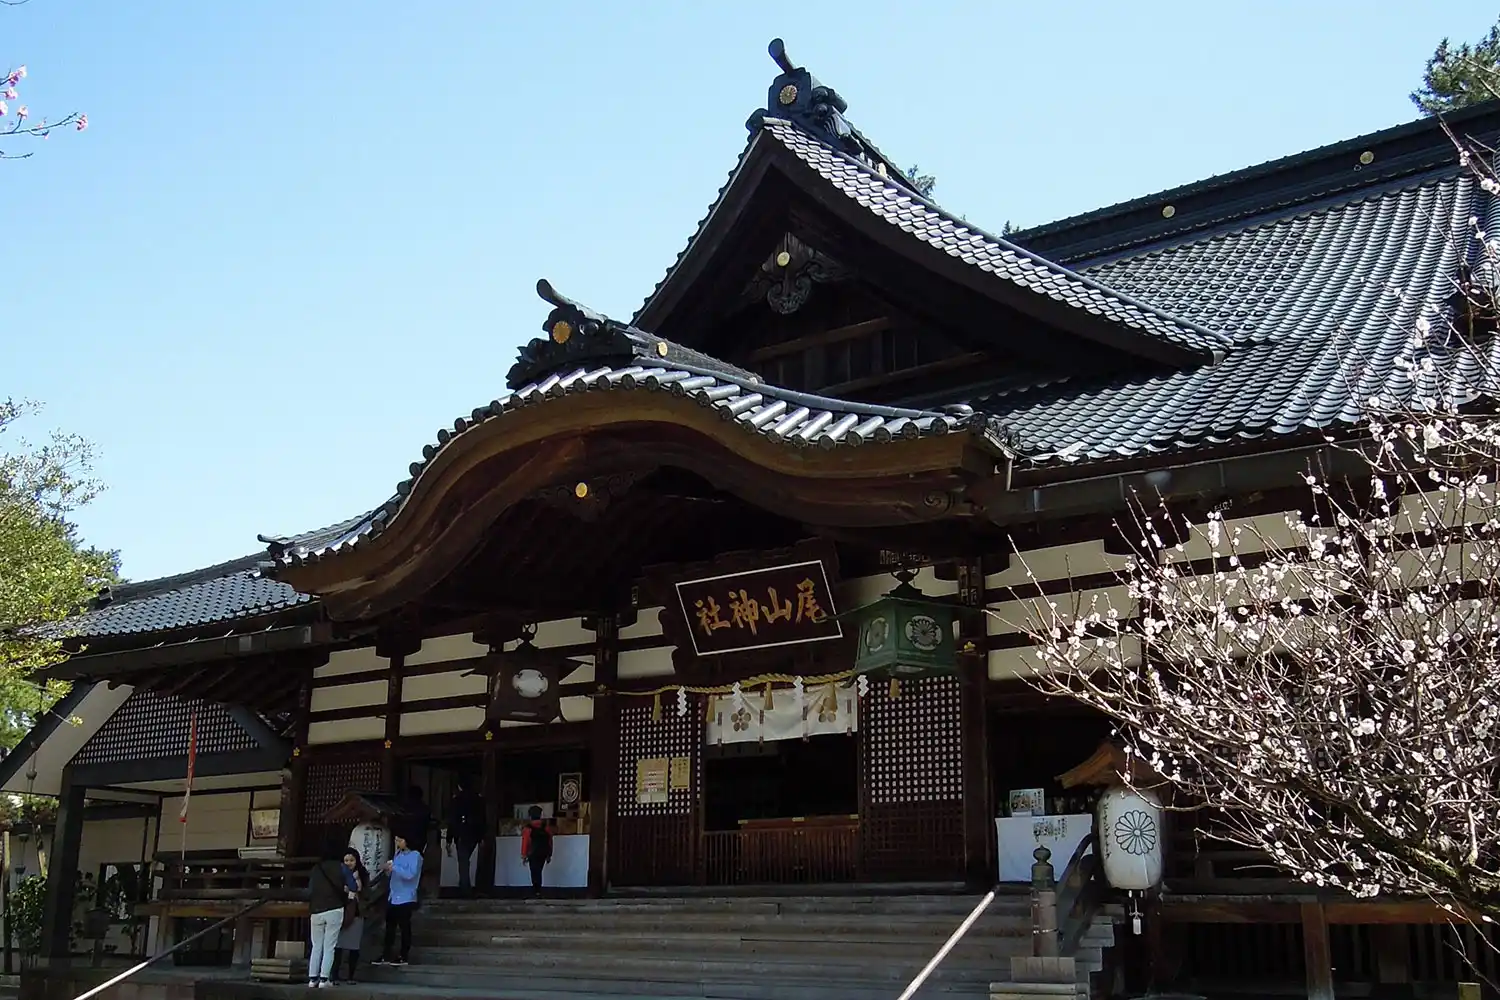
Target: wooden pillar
x,y
389,767
973,675
604,741
62,873
489,790
395,644
1316,953
290,841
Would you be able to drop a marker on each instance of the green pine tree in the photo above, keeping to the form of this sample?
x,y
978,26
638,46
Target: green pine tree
x,y
1460,75
924,183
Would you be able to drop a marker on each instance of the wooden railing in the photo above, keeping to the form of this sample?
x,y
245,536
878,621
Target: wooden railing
x,y
1080,893
814,850
233,878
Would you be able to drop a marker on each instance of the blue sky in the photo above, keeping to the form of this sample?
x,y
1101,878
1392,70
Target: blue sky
x,y
298,238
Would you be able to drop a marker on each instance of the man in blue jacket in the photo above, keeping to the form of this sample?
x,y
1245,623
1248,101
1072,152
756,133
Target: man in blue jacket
x,y
405,871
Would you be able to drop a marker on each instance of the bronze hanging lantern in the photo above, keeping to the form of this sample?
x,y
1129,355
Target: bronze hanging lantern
x,y
525,682
905,634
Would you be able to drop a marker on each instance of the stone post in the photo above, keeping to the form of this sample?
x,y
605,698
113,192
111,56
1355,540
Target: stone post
x,y
1043,905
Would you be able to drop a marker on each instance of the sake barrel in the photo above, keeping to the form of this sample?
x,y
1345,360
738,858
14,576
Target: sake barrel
x,y
1130,838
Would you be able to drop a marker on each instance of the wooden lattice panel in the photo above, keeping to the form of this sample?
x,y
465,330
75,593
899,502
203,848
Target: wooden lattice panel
x,y
644,738
330,781
153,727
911,743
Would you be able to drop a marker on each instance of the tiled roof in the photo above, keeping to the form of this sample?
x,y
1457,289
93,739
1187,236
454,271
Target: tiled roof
x,y
1321,304
793,419
226,592
929,223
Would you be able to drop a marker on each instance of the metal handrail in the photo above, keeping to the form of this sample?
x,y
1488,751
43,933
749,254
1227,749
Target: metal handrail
x,y
172,950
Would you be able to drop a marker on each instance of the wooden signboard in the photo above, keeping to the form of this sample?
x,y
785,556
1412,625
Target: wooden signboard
x,y
778,605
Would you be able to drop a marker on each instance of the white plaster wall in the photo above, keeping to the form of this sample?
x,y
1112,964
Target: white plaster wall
x,y
577,708
449,684
67,739
563,632
647,623
216,822
351,661
112,841
365,693
345,730
1047,565
448,720
634,664
447,647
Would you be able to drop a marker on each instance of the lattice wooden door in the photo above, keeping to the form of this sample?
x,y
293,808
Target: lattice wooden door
x,y
656,843
327,783
911,815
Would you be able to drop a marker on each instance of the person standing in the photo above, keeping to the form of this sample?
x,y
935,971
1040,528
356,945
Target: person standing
x,y
357,880
466,828
405,871
327,894
536,847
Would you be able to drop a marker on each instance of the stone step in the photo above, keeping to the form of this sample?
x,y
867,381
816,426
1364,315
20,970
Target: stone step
x,y
875,942
932,906
610,982
529,990
806,923
761,927
670,965
834,955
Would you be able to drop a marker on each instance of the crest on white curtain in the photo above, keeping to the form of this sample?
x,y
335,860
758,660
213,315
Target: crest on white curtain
x,y
825,709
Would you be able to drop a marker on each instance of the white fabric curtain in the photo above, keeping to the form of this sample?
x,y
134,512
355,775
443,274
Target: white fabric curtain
x,y
823,709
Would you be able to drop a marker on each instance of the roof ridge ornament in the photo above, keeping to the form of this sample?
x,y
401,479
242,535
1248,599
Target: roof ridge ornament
x,y
800,98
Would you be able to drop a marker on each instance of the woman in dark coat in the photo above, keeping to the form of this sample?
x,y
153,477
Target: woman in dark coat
x,y
353,931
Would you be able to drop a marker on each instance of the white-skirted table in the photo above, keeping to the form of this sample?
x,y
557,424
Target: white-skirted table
x,y
1017,836
569,868
448,878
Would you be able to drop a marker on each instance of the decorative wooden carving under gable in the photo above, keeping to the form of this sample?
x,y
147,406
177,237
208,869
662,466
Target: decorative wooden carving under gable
x,y
787,277
586,500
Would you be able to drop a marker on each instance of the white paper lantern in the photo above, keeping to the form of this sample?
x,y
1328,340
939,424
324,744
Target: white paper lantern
x,y
1130,838
373,842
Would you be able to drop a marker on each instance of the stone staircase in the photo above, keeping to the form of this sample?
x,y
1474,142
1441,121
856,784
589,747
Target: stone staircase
x,y
864,947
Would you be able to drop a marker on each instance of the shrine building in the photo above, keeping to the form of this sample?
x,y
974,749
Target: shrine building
x,y
635,587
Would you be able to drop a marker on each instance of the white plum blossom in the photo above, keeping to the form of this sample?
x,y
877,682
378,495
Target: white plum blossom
x,y
1330,687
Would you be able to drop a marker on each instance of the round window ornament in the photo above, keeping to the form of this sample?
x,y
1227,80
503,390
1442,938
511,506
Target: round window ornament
x,y
562,331
530,683
787,95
